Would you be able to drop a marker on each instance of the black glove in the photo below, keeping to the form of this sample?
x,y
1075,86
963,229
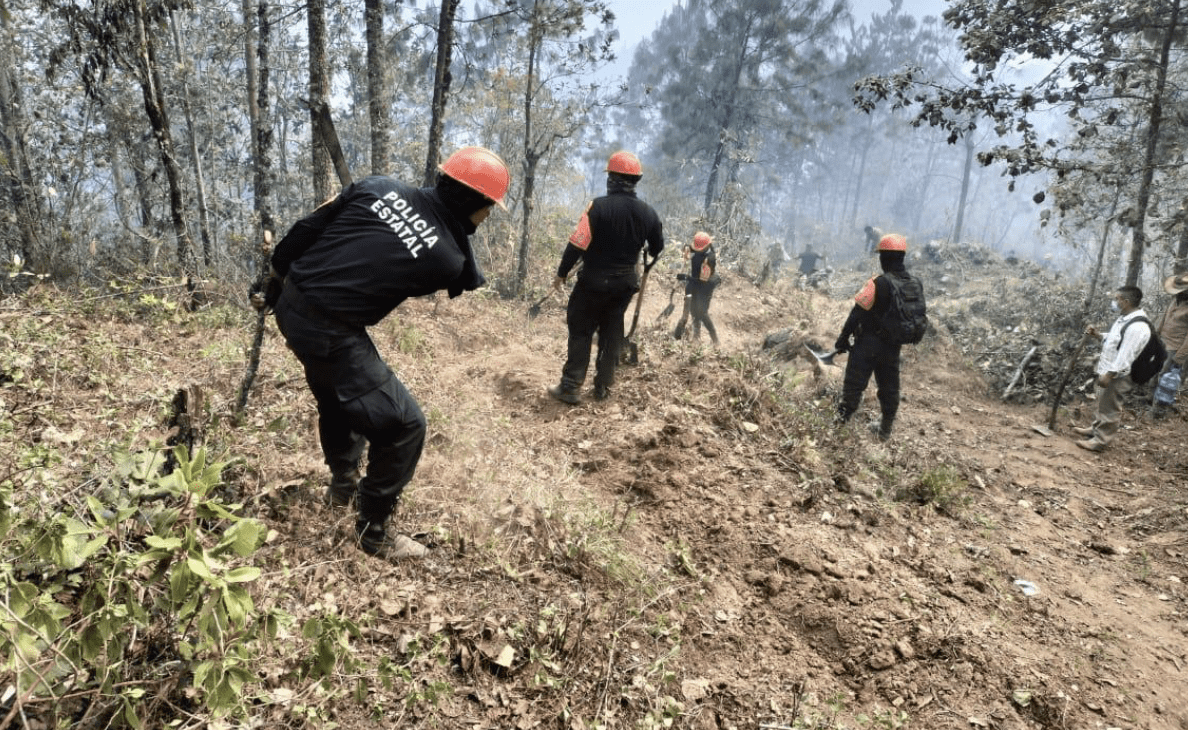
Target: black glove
x,y
682,277
842,344
264,297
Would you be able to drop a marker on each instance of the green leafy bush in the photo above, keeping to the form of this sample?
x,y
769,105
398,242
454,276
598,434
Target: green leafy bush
x,y
129,599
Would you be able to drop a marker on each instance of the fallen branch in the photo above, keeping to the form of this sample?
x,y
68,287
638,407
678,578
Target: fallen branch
x,y
1019,373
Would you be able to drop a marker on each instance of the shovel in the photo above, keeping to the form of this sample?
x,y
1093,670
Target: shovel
x,y
631,352
825,358
534,310
664,313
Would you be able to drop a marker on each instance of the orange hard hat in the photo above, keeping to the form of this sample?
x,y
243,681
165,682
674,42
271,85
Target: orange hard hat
x,y
481,170
624,163
892,242
701,241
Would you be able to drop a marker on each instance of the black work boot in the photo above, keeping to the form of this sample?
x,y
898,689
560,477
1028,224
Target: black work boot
x,y
374,539
343,486
566,394
882,429
601,392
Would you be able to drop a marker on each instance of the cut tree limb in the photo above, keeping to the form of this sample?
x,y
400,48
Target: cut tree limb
x,y
1019,373
1068,371
261,319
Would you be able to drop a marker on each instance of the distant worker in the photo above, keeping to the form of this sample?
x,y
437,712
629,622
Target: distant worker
x,y
1119,348
608,240
775,258
808,260
873,236
889,312
342,269
699,288
1172,327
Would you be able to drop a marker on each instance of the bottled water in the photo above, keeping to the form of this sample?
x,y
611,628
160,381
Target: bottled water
x,y
1169,383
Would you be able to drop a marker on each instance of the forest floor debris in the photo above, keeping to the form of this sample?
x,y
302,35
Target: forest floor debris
x,y
703,550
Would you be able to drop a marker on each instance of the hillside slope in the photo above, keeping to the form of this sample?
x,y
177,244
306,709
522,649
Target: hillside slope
x,y
703,550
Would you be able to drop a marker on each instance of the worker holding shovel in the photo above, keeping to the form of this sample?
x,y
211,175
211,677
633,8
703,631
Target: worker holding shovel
x,y
699,287
608,239
342,269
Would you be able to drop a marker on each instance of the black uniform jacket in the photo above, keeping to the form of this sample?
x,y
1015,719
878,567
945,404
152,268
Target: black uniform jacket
x,y
703,266
611,233
379,242
864,321
354,260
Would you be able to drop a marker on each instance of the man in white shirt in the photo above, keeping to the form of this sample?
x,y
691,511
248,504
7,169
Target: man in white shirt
x,y
1119,347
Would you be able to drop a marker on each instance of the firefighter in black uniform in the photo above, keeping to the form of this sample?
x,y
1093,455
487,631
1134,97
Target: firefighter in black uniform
x,y
608,239
342,269
699,289
871,353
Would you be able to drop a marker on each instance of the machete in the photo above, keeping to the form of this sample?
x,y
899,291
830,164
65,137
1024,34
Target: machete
x,y
325,128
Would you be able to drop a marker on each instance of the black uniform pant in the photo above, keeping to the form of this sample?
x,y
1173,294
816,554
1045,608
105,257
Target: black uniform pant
x,y
597,305
871,356
697,303
361,406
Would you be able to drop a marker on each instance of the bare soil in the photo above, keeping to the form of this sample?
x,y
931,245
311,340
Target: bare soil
x,y
703,550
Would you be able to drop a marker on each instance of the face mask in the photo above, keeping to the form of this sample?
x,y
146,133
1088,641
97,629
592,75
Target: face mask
x,y
1114,306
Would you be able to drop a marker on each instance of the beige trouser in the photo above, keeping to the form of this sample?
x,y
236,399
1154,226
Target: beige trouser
x,y
1109,410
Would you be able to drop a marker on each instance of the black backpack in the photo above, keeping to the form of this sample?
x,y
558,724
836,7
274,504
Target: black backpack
x,y
906,318
1150,359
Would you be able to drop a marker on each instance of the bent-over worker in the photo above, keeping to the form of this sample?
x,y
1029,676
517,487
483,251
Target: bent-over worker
x,y
346,266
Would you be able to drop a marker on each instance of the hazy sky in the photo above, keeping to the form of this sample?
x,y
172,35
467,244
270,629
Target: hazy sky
x,y
636,19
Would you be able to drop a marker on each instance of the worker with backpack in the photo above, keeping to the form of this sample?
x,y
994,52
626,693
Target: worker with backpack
x,y
889,312
1128,357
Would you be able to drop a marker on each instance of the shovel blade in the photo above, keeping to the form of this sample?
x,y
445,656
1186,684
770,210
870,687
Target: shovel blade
x,y
825,358
534,310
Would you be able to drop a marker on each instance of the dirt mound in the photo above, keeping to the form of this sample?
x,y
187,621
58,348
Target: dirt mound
x,y
702,550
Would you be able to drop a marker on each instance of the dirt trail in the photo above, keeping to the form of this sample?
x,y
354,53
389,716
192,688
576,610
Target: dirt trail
x,y
814,593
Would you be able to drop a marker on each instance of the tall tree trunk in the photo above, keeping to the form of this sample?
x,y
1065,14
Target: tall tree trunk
x,y
727,124
379,102
319,89
925,184
259,110
531,158
20,187
866,143
199,181
711,184
441,86
258,68
138,155
150,85
1134,267
961,201
1095,280
1180,263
